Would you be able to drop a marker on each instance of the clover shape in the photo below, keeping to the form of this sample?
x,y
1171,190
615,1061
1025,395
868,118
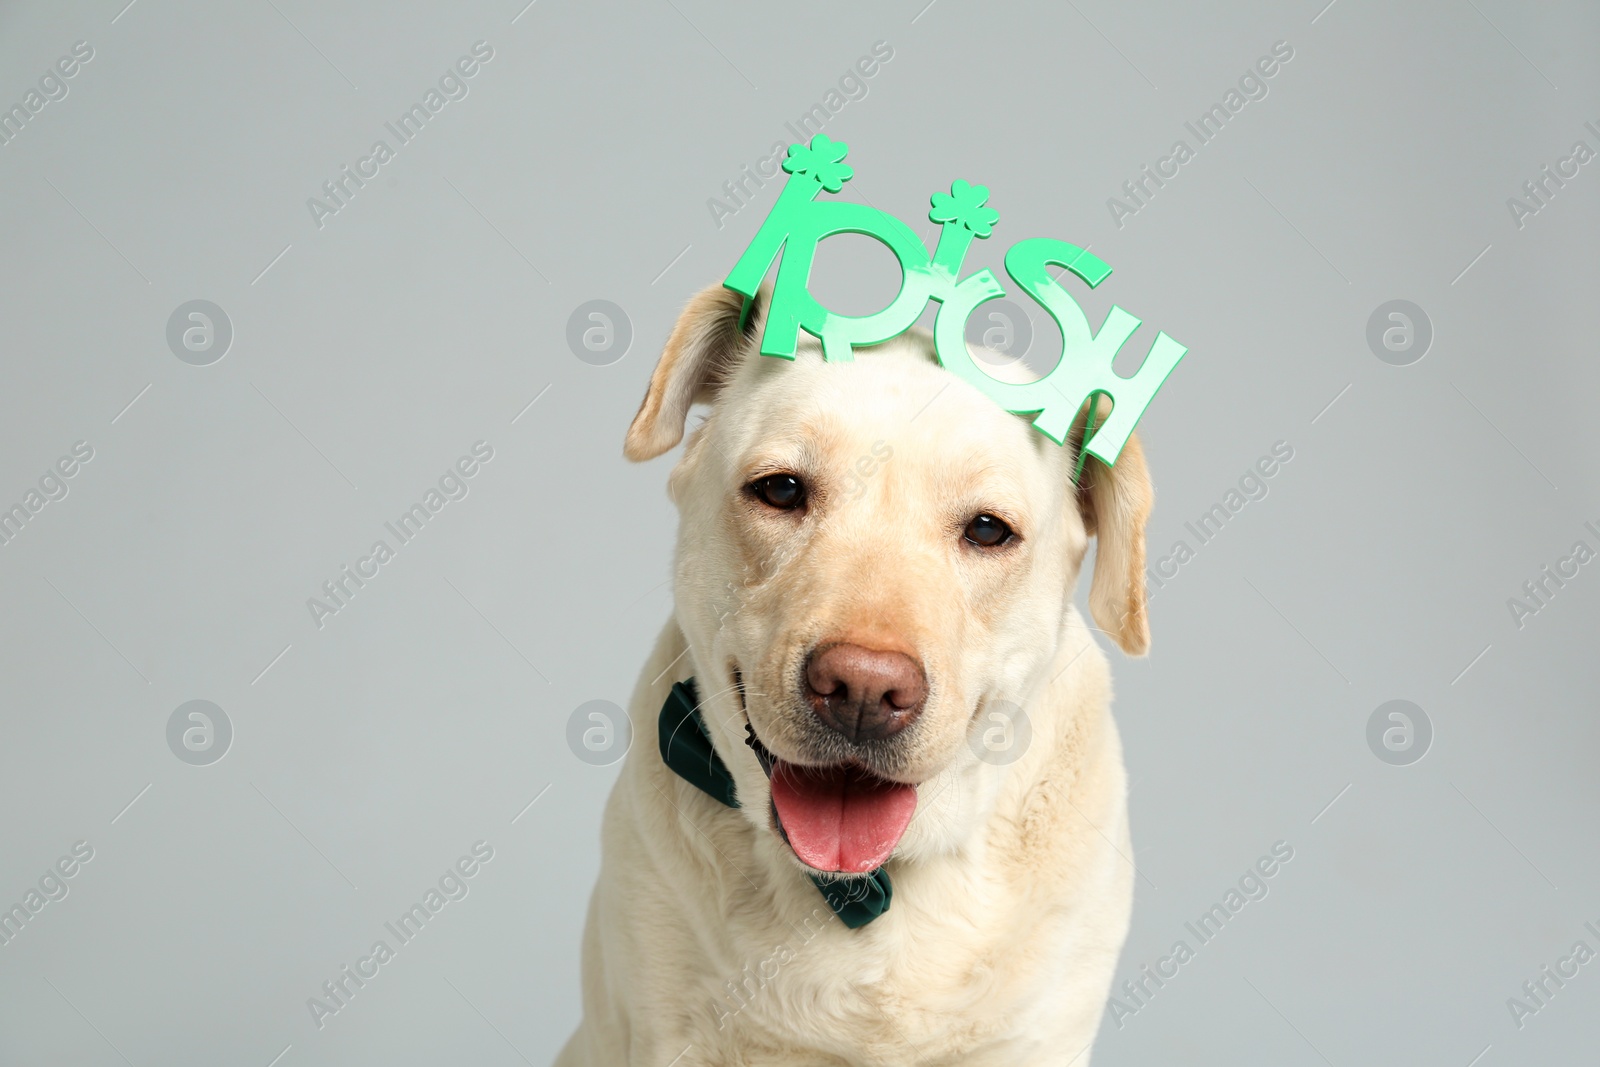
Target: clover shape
x,y
821,161
964,205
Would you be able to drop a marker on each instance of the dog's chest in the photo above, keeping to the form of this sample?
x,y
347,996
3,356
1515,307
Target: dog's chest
x,y
970,980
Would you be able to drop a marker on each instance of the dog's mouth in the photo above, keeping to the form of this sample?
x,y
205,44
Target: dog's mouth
x,y
840,819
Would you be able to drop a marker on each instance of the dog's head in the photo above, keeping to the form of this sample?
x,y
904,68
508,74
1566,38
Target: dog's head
x,y
871,554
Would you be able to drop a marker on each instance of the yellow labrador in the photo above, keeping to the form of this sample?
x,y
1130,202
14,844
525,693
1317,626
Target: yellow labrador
x,y
875,568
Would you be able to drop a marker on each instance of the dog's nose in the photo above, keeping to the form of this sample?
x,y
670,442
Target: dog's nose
x,y
863,694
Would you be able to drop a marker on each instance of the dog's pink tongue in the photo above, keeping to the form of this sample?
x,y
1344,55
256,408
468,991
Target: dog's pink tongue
x,y
841,819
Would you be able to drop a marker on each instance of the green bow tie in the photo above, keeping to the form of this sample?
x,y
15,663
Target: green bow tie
x,y
686,748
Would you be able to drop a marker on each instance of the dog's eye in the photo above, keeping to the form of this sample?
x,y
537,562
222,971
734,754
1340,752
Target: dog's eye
x,y
986,531
782,491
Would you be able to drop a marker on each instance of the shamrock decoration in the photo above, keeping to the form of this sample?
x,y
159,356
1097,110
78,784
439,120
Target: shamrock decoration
x,y
821,162
964,205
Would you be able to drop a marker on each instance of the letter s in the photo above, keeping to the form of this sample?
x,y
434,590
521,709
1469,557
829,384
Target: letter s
x,y
483,850
83,850
1086,361
483,51
83,450
483,450
1283,850
83,50
1283,450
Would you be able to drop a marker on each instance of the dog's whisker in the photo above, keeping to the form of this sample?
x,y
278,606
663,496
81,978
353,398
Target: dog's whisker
x,y
711,757
709,697
697,707
758,694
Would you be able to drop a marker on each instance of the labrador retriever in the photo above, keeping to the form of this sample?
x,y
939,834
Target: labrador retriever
x,y
874,586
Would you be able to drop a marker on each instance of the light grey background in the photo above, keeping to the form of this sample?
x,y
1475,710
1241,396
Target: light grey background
x,y
370,353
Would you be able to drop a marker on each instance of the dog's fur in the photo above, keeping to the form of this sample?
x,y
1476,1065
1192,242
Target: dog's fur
x,y
706,942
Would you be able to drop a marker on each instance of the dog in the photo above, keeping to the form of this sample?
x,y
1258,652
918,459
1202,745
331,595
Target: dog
x,y
875,570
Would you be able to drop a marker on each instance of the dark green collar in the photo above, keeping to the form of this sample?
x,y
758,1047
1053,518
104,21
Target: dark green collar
x,y
686,748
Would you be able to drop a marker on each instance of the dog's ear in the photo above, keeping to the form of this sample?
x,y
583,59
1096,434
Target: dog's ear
x,y
1115,503
699,357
